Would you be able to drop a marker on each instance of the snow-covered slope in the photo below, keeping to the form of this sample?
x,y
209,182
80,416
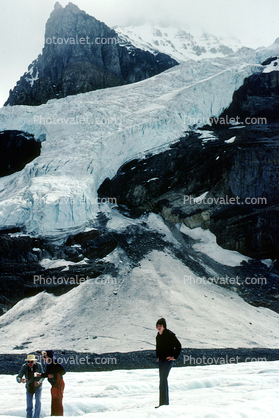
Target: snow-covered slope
x,y
273,66
117,313
248,390
180,44
89,136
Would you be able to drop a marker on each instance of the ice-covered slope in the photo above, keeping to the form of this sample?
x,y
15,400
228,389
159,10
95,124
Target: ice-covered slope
x,y
248,390
89,136
177,42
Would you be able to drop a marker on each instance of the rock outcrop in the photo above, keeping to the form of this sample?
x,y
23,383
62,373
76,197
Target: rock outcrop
x,y
82,54
257,100
23,274
239,178
16,150
234,173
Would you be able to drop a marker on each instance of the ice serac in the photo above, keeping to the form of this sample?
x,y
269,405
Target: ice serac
x,y
82,54
89,136
58,189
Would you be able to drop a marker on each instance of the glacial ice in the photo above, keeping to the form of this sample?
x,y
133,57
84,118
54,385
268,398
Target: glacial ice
x,y
89,136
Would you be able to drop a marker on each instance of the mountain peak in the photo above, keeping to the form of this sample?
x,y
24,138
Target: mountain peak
x,y
82,54
70,7
73,8
58,6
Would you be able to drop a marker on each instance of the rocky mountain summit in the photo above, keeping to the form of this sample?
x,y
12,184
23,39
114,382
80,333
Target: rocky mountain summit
x,y
82,54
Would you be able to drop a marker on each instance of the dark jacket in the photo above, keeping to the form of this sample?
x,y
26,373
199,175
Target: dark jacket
x,y
54,368
28,373
167,345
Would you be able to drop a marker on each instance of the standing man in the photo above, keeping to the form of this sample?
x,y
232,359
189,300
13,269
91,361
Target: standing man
x,y
167,349
33,384
54,373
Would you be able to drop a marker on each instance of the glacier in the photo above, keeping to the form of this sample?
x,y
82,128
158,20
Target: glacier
x,y
248,390
87,137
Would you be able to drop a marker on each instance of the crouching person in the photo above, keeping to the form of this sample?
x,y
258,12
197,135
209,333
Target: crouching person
x,y
54,373
30,374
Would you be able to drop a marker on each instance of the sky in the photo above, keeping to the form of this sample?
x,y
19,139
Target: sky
x,y
22,24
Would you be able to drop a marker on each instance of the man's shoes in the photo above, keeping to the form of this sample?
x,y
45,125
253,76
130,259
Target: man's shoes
x,y
157,406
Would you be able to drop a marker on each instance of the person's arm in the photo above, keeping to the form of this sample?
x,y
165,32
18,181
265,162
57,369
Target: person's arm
x,y
39,372
58,368
52,372
44,374
61,370
157,351
177,347
19,377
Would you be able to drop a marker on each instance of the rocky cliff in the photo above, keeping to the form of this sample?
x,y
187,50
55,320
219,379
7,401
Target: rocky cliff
x,y
257,100
82,54
204,181
16,150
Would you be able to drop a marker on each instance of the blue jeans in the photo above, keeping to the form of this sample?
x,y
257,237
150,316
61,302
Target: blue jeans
x,y
29,402
164,369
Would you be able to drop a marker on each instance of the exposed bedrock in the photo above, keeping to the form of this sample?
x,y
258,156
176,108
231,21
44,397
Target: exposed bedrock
x,y
240,178
16,150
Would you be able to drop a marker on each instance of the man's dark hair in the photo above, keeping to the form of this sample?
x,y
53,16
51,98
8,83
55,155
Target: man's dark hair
x,y
161,321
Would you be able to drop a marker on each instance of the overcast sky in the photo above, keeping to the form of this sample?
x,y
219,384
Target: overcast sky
x,y
22,24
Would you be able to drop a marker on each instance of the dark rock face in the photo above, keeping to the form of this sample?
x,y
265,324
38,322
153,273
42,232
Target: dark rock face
x,y
241,178
22,275
240,208
16,150
74,361
82,54
257,98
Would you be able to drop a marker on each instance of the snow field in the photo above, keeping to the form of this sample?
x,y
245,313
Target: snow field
x,y
244,390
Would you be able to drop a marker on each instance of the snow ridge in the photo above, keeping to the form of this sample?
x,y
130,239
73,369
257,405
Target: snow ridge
x,y
179,43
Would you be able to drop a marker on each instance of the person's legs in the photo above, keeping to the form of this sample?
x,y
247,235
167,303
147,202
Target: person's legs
x,y
29,404
56,407
38,394
164,369
56,403
52,406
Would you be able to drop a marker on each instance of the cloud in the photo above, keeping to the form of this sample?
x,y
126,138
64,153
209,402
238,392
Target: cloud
x,y
249,19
